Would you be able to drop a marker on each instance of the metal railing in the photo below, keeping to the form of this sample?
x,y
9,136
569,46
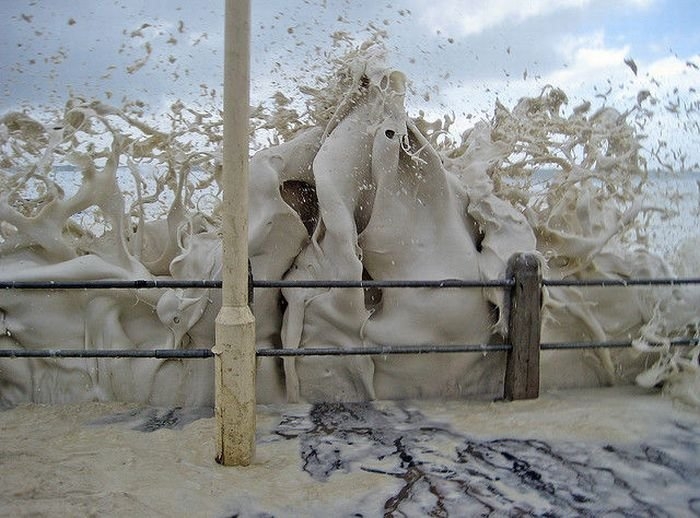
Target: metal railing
x,y
523,280
236,433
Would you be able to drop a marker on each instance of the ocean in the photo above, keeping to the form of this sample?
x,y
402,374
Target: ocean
x,y
361,190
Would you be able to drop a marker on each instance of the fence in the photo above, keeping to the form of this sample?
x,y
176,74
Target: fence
x,y
523,279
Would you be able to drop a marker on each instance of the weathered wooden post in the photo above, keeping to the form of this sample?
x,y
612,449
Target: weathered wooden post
x,y
522,380
234,351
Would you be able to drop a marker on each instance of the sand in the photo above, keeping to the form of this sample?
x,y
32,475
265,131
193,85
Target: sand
x,y
569,452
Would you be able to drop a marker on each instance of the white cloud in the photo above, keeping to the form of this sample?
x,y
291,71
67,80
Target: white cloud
x,y
641,4
586,58
590,62
480,15
477,16
670,66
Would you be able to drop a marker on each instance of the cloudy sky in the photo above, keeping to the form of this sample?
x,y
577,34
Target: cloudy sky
x,y
460,55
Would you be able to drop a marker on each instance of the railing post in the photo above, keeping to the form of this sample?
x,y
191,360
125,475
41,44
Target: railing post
x,y
234,351
522,379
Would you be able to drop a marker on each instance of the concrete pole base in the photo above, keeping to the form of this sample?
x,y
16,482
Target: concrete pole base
x,y
234,365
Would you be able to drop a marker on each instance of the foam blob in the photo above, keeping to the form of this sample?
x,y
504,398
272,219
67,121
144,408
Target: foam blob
x,y
362,192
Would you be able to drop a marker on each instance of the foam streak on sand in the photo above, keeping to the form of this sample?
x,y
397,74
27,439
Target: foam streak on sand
x,y
584,453
359,191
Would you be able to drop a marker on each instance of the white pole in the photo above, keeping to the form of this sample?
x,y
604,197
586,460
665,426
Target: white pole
x,y
234,352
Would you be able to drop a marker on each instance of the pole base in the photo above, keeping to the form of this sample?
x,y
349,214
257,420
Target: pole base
x,y
234,408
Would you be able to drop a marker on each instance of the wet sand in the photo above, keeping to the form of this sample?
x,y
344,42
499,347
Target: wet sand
x,y
583,452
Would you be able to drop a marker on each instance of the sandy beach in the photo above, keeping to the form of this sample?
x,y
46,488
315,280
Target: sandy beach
x,y
585,452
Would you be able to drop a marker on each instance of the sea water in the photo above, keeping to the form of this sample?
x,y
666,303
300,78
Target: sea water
x,y
680,195
358,190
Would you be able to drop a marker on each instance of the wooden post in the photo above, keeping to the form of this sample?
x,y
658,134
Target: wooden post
x,y
234,351
522,380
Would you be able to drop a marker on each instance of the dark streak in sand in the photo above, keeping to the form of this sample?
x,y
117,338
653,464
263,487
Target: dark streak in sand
x,y
442,472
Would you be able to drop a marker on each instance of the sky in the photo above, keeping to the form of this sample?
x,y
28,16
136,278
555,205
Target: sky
x,y
459,55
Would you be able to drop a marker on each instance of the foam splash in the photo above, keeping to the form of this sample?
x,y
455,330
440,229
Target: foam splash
x,y
358,190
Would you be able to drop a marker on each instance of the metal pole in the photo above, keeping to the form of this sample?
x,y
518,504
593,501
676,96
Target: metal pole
x,y
234,351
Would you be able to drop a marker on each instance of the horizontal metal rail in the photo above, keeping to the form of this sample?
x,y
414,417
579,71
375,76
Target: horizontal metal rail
x,y
172,283
444,283
108,284
206,353
669,281
614,344
380,350
386,350
107,353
